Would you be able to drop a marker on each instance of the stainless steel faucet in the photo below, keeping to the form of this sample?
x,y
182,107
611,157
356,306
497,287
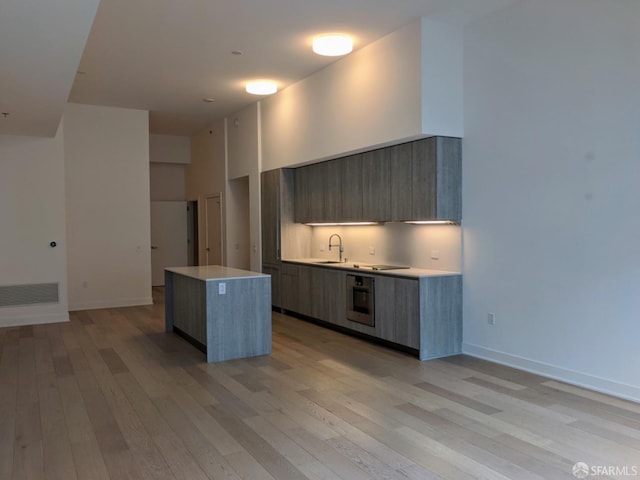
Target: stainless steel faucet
x,y
338,245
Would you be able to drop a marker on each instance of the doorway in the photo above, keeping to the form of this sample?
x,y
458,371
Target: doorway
x,y
169,238
212,248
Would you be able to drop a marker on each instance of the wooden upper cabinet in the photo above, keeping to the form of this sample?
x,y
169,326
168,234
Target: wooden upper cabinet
x,y
418,180
332,175
351,195
303,194
436,187
376,186
400,161
270,198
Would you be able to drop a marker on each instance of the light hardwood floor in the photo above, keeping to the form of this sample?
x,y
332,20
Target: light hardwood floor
x,y
109,395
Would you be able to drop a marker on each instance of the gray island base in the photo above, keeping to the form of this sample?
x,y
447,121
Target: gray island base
x,y
225,311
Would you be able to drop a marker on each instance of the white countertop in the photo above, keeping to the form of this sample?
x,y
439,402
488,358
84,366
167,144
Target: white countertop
x,y
214,272
365,268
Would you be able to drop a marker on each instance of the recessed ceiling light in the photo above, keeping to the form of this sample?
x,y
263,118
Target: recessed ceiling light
x,y
261,87
208,100
332,45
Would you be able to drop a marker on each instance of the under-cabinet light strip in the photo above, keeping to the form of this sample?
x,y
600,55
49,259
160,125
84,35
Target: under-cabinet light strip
x,y
342,224
430,222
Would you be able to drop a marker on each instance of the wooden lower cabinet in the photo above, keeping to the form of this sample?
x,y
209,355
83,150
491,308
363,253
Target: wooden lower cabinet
x,y
290,287
440,316
398,310
424,313
276,291
314,292
334,304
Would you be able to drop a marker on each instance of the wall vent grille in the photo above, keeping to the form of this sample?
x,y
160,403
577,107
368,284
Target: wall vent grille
x,y
33,294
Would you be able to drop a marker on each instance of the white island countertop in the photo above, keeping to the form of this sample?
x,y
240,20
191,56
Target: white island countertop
x,y
214,272
367,268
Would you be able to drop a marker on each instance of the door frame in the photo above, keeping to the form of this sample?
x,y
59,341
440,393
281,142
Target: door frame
x,y
161,207
202,227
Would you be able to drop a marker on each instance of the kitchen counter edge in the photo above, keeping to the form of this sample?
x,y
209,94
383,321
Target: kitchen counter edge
x,y
214,272
404,272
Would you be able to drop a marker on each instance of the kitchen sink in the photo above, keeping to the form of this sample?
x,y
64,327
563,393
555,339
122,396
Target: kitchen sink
x,y
327,261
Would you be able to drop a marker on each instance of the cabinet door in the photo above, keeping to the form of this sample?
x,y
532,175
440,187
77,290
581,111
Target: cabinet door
x,y
407,312
352,189
269,195
318,290
423,181
449,178
385,308
305,290
400,158
436,181
274,271
331,175
398,310
316,185
290,283
376,193
334,296
302,199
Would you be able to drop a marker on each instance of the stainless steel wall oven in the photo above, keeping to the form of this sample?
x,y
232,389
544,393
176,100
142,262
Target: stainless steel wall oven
x,y
361,299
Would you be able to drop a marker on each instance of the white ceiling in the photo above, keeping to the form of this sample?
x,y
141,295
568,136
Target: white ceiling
x,y
165,56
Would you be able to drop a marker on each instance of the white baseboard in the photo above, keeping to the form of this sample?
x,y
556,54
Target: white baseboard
x,y
22,320
117,303
602,385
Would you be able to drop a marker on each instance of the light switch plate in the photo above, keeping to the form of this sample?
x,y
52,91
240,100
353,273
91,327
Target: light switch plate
x,y
222,288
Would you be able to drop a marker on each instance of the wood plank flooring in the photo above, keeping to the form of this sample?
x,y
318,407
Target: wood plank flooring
x,y
109,395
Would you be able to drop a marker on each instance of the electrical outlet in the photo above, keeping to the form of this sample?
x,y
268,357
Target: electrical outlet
x,y
222,288
372,250
435,254
491,318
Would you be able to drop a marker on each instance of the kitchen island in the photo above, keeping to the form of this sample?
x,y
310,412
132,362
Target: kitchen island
x,y
226,312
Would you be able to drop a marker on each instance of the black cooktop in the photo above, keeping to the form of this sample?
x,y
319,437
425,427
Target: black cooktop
x,y
387,267
380,267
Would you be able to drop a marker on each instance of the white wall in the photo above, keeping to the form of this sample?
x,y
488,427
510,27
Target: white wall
x,y
32,214
107,202
242,138
238,228
244,161
442,59
167,182
551,172
369,98
169,149
394,244
206,174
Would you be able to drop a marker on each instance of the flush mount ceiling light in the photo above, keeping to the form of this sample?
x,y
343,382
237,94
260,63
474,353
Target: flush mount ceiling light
x,y
261,87
332,45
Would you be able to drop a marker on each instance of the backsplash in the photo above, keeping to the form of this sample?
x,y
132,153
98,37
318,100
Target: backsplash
x,y
394,243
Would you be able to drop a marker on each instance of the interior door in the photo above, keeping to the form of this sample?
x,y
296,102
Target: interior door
x,y
169,244
213,240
